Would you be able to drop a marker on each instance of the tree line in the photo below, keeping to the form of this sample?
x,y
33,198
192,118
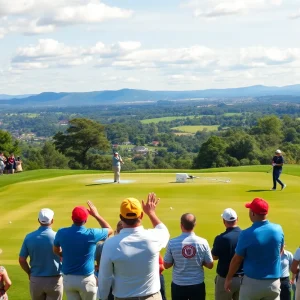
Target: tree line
x,y
87,144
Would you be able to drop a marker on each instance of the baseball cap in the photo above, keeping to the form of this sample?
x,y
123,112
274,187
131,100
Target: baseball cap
x,y
116,153
46,216
131,208
258,206
80,214
229,215
278,151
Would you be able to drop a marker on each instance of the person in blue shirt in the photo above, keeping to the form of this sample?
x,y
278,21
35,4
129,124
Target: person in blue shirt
x,y
44,270
277,163
286,265
259,248
77,245
116,162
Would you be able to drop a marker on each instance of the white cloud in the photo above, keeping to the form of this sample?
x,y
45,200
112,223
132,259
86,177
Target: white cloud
x,y
43,16
219,8
295,15
188,65
2,32
86,13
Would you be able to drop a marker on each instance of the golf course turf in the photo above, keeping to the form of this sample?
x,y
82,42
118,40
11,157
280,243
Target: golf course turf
x,y
23,195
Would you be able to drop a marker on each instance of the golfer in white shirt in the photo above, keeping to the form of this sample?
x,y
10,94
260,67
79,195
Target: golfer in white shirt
x,y
129,261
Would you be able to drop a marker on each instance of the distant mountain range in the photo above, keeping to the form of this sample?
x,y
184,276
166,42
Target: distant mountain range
x,y
8,97
142,96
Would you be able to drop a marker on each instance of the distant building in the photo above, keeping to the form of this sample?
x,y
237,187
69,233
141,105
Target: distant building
x,y
63,123
155,143
140,150
126,143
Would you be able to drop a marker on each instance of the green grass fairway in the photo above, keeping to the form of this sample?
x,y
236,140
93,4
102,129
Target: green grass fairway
x,y
166,119
232,114
22,195
195,128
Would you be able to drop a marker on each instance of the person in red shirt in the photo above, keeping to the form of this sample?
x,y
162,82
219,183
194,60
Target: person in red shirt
x,y
162,279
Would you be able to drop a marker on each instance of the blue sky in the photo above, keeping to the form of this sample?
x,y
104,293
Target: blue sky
x,y
85,45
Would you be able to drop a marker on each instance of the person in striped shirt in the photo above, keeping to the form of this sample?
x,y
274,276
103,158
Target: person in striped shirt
x,y
188,254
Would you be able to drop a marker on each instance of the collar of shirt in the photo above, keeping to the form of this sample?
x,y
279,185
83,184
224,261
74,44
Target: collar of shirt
x,y
232,228
44,228
77,227
132,230
187,233
260,223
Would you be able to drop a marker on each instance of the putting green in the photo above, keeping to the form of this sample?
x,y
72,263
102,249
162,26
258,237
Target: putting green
x,y
21,202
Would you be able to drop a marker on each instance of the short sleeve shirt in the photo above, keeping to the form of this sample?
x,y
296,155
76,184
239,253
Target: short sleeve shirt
x,y
188,252
286,263
224,248
78,245
38,245
260,246
278,160
297,255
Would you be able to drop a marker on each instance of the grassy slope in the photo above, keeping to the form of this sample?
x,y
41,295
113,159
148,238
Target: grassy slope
x,y
195,128
37,189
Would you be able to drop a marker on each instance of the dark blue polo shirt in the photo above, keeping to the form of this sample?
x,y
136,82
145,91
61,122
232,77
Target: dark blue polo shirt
x,y
278,160
224,248
260,246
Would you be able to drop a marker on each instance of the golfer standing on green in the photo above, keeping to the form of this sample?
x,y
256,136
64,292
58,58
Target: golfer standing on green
x,y
277,163
117,161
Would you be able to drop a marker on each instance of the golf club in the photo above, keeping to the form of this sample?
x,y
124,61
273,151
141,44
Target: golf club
x,y
270,170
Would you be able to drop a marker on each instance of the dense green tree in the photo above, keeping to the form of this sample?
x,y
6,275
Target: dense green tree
x,y
7,144
53,159
212,153
82,136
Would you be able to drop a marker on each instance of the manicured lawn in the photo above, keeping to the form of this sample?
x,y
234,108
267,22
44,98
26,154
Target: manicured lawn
x,y
195,128
232,114
166,119
22,195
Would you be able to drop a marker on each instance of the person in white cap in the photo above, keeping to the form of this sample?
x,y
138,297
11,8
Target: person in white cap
x,y
44,271
277,163
223,250
116,162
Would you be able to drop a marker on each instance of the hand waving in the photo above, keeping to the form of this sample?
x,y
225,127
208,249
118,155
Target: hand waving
x,y
93,209
150,206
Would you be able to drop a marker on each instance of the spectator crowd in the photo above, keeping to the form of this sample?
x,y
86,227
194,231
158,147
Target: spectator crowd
x,y
88,264
10,165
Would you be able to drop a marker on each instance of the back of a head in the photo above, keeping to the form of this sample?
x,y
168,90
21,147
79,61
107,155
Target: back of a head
x,y
259,209
131,212
46,216
188,221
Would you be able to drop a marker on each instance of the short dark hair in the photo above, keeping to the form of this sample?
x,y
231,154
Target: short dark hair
x,y
130,222
188,221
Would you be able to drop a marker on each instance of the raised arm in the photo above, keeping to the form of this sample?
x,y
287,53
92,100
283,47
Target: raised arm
x,y
150,209
94,213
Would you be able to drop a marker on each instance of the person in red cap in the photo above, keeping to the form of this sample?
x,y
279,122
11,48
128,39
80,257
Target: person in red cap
x,y
77,245
259,248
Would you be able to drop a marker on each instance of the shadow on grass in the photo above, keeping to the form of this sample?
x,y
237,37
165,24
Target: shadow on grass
x,y
94,184
256,191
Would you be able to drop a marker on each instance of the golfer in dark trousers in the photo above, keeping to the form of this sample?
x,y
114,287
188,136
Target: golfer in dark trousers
x,y
285,283
223,251
277,164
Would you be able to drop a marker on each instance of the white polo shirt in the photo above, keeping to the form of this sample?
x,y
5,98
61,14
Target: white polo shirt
x,y
129,262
